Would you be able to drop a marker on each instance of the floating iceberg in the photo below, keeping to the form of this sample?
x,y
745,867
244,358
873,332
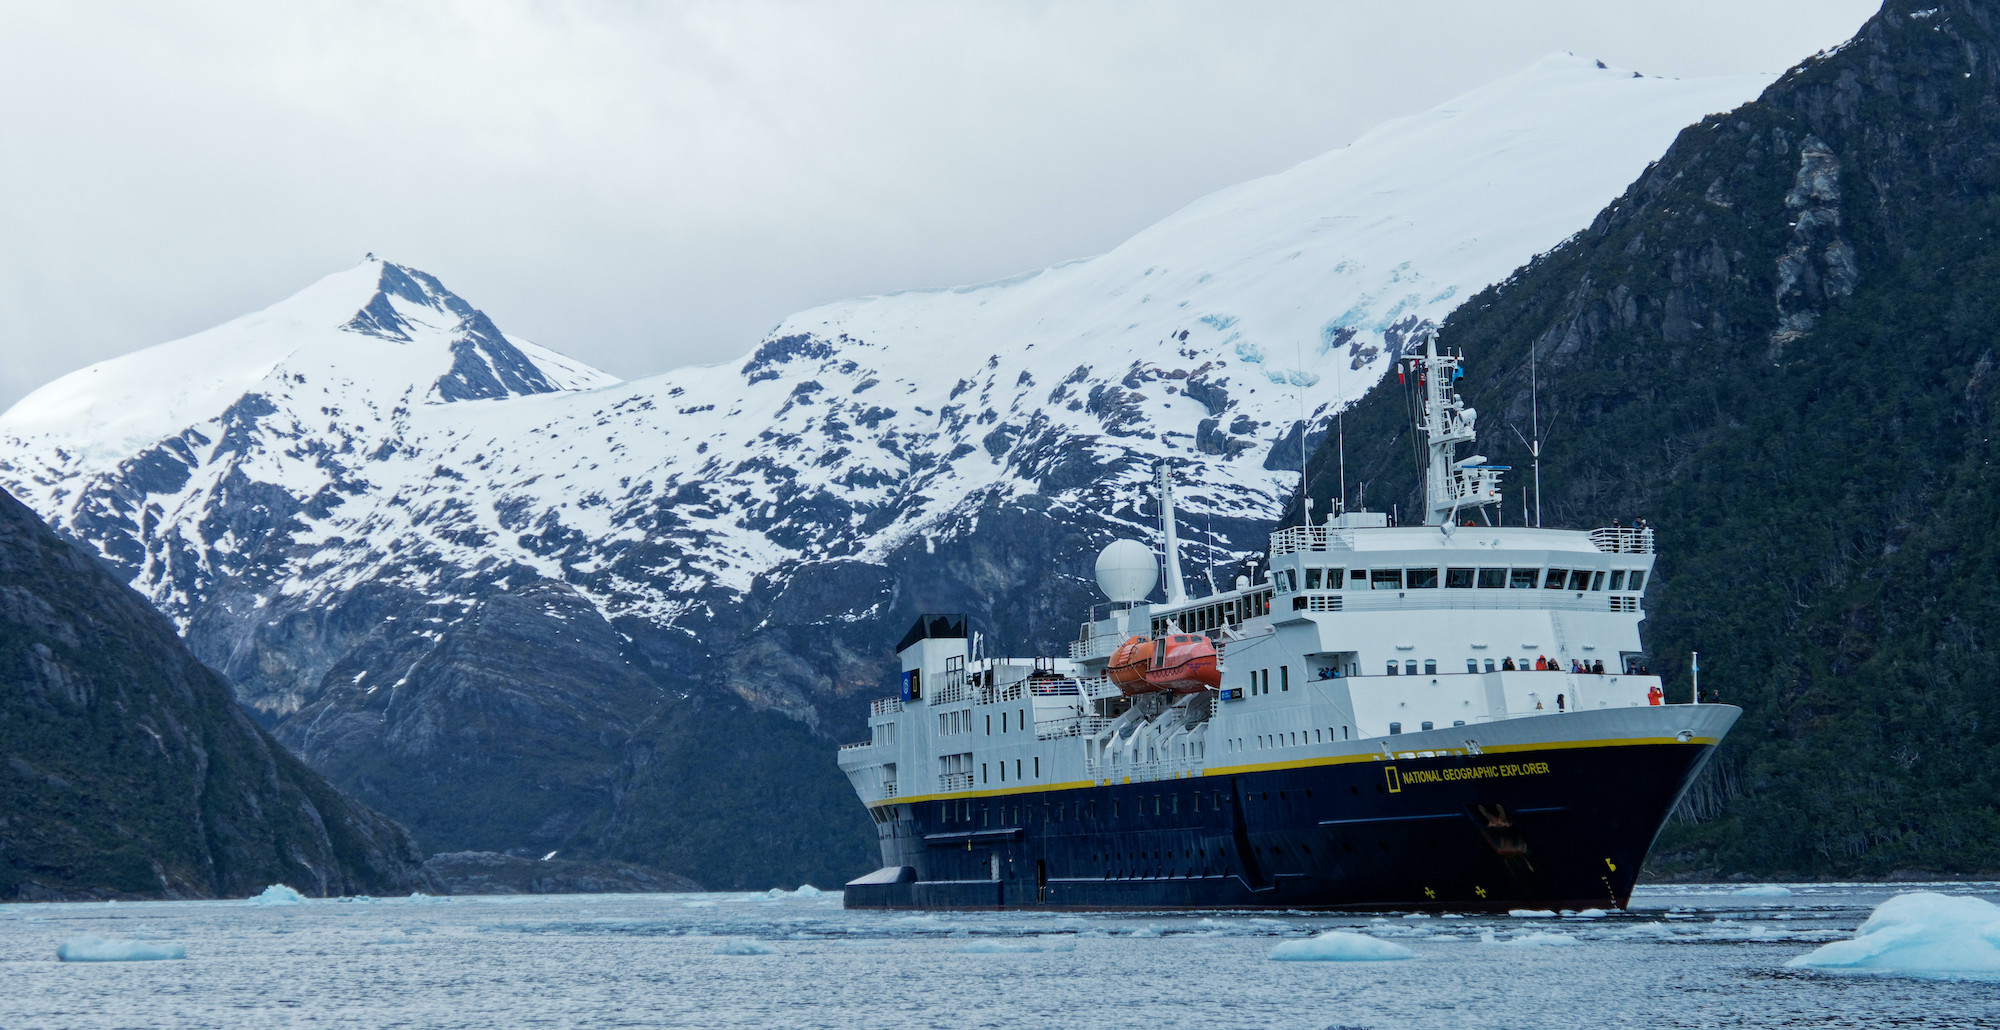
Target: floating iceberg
x,y
746,948
91,948
1336,946
1923,934
1763,891
808,891
1531,913
278,894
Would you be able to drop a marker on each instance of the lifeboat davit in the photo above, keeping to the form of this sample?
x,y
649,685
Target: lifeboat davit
x,y
1184,663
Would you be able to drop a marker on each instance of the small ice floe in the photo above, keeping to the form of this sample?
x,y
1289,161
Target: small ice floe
x,y
1338,946
808,891
1145,931
1765,890
91,948
1918,934
1417,915
1542,939
1588,913
995,948
1532,913
277,894
740,947
420,898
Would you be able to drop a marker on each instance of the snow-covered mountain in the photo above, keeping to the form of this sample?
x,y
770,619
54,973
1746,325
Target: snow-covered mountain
x,y
332,494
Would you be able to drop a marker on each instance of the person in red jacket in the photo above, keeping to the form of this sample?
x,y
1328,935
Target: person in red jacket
x,y
1654,696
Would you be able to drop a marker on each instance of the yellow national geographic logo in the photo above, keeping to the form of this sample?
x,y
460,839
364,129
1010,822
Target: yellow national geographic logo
x,y
1470,772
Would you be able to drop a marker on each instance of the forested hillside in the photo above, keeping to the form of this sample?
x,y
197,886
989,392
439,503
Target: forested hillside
x,y
1779,347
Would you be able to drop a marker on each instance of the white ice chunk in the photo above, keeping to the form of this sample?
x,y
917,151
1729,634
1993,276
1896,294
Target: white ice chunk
x,y
1764,891
91,948
746,948
995,948
1922,933
1543,938
808,891
1336,946
1531,913
278,894
1590,913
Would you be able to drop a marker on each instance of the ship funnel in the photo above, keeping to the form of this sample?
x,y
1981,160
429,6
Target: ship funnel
x,y
1127,571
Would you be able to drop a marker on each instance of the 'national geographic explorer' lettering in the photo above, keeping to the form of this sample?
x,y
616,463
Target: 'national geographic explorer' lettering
x,y
1478,772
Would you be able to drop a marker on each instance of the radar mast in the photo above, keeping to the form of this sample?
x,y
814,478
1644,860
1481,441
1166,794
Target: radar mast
x,y
1451,484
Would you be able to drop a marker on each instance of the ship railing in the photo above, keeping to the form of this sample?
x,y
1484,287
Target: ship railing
x,y
889,789
1097,645
951,691
993,695
886,706
1055,688
1623,540
1301,539
1100,687
1070,726
955,781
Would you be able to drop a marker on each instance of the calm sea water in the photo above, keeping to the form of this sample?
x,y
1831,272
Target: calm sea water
x,y
1685,956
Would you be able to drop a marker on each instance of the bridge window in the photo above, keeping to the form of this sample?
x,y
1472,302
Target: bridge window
x,y
1579,580
1458,579
1637,581
1597,581
1492,579
1386,579
1422,579
1617,579
1524,579
1313,578
1556,579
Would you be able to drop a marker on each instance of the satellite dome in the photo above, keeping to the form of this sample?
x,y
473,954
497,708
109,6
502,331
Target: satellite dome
x,y
1127,571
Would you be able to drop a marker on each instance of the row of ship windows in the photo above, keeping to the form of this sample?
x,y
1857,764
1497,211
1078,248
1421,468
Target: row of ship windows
x,y
960,765
1290,738
960,721
1463,579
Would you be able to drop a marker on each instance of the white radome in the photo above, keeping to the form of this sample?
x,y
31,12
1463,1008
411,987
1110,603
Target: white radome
x,y
1127,571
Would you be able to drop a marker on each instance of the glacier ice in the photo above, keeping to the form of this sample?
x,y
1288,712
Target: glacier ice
x,y
1339,946
1923,934
1531,913
808,891
1763,891
277,894
92,948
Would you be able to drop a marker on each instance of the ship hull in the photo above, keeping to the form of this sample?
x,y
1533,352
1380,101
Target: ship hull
x,y
1562,827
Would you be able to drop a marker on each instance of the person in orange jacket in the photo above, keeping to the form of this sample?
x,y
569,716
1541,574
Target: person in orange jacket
x,y
1654,696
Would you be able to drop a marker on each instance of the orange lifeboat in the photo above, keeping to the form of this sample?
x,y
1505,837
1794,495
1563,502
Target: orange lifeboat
x,y
1129,664
1184,663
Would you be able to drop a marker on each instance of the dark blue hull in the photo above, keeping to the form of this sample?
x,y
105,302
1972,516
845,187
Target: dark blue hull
x,y
1558,828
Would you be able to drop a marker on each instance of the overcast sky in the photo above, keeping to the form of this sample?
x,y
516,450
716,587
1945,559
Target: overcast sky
x,y
649,185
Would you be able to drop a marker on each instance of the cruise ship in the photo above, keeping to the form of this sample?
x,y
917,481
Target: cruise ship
x,y
1452,716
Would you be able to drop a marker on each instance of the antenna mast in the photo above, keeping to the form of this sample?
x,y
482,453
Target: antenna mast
x,y
1450,483
1535,426
1176,590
